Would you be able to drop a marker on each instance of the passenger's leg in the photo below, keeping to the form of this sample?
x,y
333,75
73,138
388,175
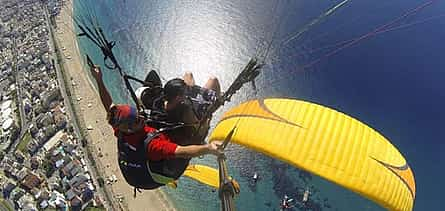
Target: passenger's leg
x,y
213,84
188,79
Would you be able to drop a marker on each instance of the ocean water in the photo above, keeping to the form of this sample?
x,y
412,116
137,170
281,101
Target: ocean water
x,y
392,81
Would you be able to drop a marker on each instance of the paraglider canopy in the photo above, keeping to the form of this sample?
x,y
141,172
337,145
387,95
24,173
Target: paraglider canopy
x,y
324,142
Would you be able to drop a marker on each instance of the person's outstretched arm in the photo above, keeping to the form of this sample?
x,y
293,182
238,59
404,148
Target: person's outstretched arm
x,y
161,148
197,150
105,96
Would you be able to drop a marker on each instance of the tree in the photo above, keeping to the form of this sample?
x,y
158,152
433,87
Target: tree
x,y
101,181
48,168
50,130
15,132
84,142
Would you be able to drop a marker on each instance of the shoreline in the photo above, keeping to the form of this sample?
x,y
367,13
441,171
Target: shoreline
x,y
90,113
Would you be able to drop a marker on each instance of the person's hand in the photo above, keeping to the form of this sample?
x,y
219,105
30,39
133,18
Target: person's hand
x,y
213,148
96,72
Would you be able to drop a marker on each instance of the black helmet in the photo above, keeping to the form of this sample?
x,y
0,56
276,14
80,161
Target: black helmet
x,y
174,87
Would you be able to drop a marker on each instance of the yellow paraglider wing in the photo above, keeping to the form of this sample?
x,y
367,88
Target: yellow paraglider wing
x,y
325,142
203,174
207,175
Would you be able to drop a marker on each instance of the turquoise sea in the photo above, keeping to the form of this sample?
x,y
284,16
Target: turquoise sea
x,y
391,80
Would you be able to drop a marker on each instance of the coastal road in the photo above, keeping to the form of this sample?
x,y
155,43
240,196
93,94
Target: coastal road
x,y
20,137
20,96
23,123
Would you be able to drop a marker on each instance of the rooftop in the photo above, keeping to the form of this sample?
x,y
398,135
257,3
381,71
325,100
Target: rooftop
x,y
53,141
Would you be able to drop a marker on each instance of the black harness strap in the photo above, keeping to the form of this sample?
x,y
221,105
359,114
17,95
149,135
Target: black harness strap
x,y
136,189
135,157
149,138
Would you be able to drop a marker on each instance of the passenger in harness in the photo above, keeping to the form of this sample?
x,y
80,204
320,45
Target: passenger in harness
x,y
151,156
192,109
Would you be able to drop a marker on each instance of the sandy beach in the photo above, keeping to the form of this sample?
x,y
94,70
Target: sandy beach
x,y
91,114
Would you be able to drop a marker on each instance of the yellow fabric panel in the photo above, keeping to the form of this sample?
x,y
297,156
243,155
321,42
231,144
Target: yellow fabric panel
x,y
203,174
325,142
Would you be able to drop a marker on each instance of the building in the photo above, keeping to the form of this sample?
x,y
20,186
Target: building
x,y
54,141
50,96
60,120
19,156
6,104
22,174
57,200
44,119
32,147
35,163
87,195
31,181
7,189
26,202
78,179
76,203
7,124
42,195
17,193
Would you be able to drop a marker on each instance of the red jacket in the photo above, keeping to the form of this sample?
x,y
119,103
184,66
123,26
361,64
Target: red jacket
x,y
161,147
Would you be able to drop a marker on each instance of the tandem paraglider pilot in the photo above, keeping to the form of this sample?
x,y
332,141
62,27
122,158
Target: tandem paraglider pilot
x,y
152,157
